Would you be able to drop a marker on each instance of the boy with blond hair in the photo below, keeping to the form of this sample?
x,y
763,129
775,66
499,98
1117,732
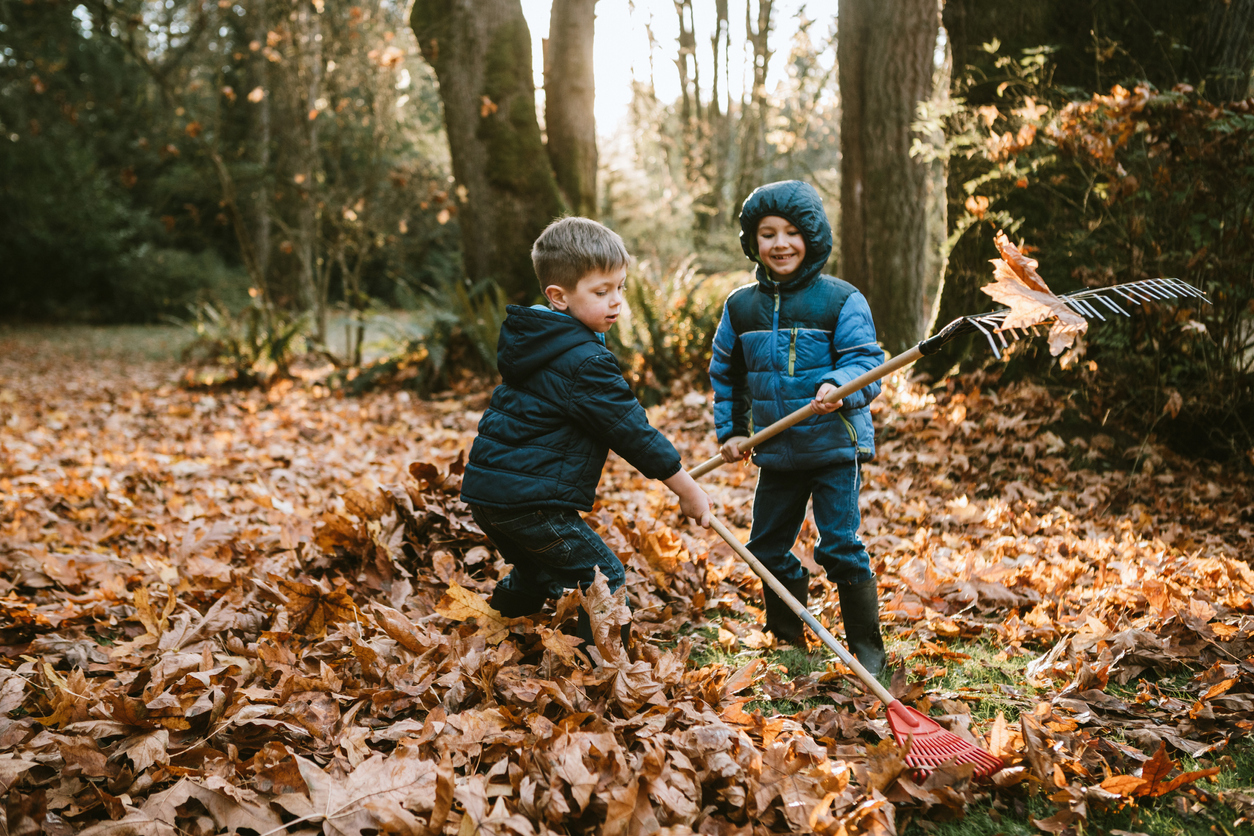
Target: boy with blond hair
x,y
562,405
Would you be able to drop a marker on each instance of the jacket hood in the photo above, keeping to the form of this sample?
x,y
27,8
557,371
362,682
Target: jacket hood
x,y
531,338
797,201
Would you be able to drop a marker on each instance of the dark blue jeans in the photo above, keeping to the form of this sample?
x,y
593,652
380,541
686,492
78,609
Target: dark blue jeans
x,y
779,509
551,550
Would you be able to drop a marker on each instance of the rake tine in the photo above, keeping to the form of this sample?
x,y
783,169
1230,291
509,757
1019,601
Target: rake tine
x,y
1140,288
1177,288
1154,290
1190,290
987,336
1096,311
1110,304
1125,295
1082,308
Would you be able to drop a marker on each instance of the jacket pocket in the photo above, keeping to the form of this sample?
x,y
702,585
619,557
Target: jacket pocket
x,y
792,352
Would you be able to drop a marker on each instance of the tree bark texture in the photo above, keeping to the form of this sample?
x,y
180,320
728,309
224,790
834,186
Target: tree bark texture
x,y
1225,48
481,53
885,53
569,96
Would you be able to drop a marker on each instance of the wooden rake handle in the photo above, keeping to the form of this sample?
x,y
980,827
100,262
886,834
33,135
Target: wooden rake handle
x,y
822,632
882,370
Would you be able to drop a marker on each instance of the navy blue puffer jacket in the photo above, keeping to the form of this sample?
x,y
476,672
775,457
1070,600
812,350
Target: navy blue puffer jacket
x,y
563,404
778,342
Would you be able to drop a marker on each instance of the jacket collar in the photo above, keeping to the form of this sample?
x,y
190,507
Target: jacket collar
x,y
768,285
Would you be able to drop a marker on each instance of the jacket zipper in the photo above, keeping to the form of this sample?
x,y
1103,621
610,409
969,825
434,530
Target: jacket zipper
x,y
853,434
792,352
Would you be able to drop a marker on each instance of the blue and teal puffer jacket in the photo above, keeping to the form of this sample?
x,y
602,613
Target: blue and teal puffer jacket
x,y
778,342
563,404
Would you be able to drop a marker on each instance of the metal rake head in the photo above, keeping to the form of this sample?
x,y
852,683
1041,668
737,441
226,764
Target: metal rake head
x,y
1082,303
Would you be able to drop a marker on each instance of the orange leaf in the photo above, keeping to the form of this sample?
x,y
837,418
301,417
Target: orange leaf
x,y
1125,785
1019,287
1186,778
1218,689
1157,768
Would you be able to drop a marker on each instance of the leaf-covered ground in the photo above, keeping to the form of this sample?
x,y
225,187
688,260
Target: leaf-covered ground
x,y
248,612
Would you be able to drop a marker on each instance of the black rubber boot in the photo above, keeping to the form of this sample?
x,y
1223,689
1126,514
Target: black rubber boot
x,y
860,610
514,604
781,620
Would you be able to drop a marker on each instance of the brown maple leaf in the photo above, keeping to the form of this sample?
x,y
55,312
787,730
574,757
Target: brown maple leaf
x,y
311,609
1019,287
460,604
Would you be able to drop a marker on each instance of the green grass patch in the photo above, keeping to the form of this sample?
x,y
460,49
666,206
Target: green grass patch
x,y
986,683
92,342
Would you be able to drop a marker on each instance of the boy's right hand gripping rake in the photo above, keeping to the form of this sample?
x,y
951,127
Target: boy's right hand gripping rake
x,y
1031,305
928,744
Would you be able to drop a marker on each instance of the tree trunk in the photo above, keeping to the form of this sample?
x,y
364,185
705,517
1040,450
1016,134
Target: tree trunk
x,y
753,111
885,53
569,119
261,140
481,53
1225,49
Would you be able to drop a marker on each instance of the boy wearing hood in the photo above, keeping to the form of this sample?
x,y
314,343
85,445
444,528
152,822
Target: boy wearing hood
x,y
786,340
562,405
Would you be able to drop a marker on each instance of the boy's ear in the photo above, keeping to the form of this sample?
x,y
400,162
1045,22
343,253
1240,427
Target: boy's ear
x,y
556,295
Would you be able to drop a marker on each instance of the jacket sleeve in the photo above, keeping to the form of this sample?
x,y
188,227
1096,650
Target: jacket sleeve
x,y
604,406
856,351
730,381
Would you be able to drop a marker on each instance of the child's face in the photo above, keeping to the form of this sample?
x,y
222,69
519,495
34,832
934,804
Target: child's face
x,y
596,300
780,246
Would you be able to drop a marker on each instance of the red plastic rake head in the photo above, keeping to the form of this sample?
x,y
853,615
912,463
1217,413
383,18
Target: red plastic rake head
x,y
931,744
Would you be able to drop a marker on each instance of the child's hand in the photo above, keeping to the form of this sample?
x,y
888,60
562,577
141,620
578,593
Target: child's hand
x,y
696,507
730,451
819,405
692,500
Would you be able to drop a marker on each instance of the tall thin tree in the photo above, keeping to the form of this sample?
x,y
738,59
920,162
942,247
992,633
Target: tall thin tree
x,y
569,96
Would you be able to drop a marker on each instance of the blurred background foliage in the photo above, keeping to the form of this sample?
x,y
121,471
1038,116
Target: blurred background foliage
x,y
277,174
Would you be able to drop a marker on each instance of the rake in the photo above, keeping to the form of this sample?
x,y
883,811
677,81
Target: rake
x,y
928,744
1083,303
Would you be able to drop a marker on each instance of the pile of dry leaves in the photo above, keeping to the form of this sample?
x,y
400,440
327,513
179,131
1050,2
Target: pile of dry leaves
x,y
244,612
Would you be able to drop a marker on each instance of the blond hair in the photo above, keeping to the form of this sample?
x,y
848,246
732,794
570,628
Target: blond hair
x,y
571,248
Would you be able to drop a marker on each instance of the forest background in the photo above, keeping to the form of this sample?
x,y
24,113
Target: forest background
x,y
340,197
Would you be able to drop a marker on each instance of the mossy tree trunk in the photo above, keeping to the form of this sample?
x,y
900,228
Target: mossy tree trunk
x,y
885,52
568,101
481,53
